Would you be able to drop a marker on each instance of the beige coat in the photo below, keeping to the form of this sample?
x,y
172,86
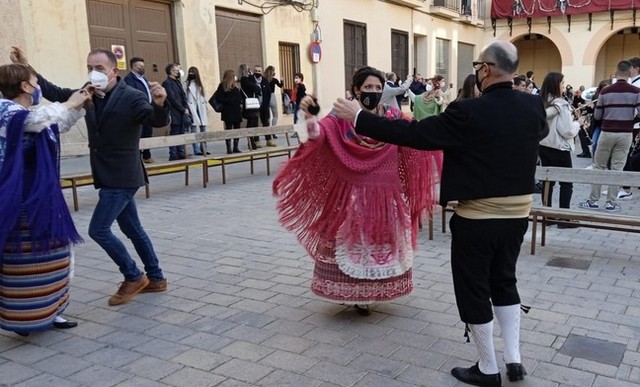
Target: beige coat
x,y
197,105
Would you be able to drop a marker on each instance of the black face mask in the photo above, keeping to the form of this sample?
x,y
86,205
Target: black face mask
x,y
258,76
191,76
370,100
479,82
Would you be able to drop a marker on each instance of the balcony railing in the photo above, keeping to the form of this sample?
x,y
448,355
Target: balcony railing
x,y
463,8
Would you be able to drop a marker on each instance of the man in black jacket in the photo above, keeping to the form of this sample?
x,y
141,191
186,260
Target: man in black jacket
x,y
137,80
489,167
114,126
179,108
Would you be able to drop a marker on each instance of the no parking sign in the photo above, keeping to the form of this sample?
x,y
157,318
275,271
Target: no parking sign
x,y
315,52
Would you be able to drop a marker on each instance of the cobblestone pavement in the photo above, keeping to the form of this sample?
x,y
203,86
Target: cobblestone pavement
x,y
239,312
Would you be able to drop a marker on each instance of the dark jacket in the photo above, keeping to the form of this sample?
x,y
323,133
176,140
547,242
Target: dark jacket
x,y
490,143
273,83
300,91
231,102
114,137
251,90
177,100
136,83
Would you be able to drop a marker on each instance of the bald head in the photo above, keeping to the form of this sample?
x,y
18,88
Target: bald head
x,y
505,56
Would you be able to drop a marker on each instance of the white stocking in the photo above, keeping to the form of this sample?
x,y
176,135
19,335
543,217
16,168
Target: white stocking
x,y
509,319
482,335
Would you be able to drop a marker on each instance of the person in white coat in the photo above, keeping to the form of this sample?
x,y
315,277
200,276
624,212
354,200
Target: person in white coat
x,y
198,107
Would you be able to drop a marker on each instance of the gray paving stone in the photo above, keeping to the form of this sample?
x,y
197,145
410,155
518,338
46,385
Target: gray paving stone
x,y
62,365
78,346
161,348
206,341
289,343
379,365
99,376
28,354
113,357
151,368
282,378
334,373
44,380
13,373
246,351
137,381
243,370
124,339
193,378
288,361
568,376
373,380
198,358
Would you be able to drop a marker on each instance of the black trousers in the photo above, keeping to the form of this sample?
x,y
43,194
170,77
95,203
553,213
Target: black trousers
x,y
147,131
484,253
551,157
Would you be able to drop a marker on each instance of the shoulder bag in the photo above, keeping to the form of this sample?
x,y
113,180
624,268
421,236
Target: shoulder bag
x,y
251,103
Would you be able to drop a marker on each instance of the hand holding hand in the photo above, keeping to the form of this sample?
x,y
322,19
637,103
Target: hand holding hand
x,y
18,56
158,93
346,109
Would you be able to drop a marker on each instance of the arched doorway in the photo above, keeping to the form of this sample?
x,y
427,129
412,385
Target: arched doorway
x,y
538,54
623,44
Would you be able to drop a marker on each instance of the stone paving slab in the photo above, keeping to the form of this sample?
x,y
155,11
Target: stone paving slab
x,y
239,311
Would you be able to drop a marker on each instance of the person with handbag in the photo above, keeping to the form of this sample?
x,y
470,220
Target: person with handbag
x,y
179,108
251,90
230,98
555,149
198,107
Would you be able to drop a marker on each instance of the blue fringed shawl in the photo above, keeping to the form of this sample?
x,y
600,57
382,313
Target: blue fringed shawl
x,y
41,200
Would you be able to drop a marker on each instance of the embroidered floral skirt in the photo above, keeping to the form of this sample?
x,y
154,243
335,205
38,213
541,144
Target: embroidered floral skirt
x,y
34,286
332,284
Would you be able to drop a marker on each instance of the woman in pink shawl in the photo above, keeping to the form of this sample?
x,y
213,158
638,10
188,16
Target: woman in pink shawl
x,y
355,203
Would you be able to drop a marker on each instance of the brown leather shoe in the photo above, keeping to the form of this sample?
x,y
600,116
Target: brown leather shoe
x,y
155,286
128,290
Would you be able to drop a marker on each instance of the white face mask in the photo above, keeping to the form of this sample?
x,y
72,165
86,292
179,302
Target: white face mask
x,y
99,80
181,73
429,87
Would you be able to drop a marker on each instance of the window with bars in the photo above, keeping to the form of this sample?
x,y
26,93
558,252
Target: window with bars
x,y
400,53
355,49
465,57
442,58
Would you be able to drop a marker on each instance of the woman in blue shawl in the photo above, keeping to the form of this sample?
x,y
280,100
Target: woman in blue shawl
x,y
36,229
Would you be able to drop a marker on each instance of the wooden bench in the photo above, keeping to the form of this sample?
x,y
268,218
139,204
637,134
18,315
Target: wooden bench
x,y
75,180
598,219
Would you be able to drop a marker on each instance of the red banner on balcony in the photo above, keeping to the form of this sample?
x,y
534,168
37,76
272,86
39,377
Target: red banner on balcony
x,y
502,9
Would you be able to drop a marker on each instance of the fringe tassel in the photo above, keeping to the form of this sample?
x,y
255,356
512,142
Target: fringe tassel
x,y
525,308
466,332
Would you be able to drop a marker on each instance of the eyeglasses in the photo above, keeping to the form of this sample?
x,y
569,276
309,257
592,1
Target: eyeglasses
x,y
475,64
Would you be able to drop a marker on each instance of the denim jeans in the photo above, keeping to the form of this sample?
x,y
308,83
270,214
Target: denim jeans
x,y
199,147
177,152
119,204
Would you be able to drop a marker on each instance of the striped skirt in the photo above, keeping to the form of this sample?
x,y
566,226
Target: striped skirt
x,y
34,286
330,283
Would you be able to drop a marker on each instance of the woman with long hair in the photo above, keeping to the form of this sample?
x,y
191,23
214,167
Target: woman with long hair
x,y
198,107
355,203
270,75
230,97
469,88
36,229
555,149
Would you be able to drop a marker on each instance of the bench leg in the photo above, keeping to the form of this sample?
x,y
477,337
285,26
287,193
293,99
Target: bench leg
x,y
430,226
268,165
251,162
534,229
205,173
186,175
147,191
444,219
543,233
224,172
74,193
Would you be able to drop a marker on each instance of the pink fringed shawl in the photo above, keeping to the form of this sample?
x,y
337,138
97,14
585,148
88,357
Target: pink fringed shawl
x,y
356,206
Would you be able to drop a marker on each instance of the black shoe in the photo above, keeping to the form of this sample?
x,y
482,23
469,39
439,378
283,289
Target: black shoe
x,y
198,154
237,150
474,376
362,310
208,153
584,155
515,372
229,151
173,158
65,324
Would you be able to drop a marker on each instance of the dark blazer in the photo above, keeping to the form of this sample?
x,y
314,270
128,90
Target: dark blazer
x,y
177,99
490,143
231,102
136,83
114,137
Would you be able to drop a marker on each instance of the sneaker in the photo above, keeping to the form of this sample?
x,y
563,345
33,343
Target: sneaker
x,y
612,207
624,195
155,286
128,290
258,144
589,205
271,143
